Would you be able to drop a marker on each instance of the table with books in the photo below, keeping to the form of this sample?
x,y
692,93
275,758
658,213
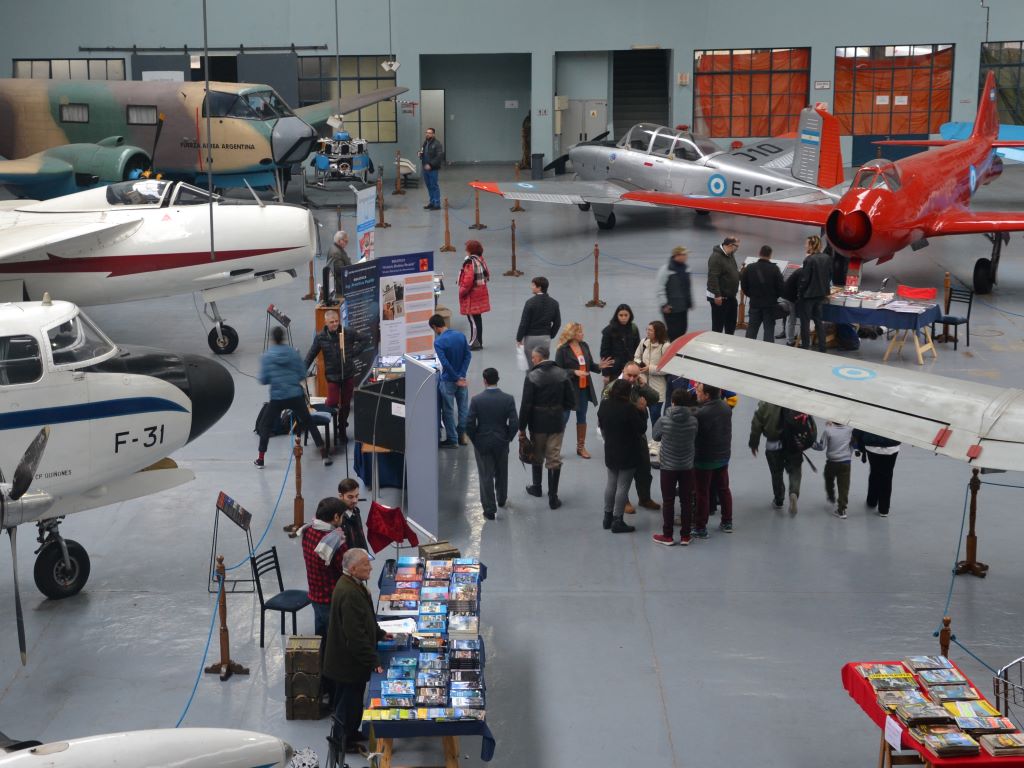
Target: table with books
x,y
907,318
433,679
934,709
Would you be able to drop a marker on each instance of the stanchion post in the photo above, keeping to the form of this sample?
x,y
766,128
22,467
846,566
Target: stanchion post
x,y
476,211
596,301
381,224
398,174
513,272
311,293
971,564
299,510
517,208
741,313
447,247
945,635
225,667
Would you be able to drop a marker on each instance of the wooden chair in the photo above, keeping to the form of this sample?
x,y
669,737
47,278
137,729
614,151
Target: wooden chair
x,y
964,297
285,601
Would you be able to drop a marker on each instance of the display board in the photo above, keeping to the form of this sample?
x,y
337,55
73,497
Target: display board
x,y
421,456
406,300
366,221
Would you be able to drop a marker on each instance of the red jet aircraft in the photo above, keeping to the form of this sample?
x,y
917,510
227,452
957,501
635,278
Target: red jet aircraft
x,y
891,205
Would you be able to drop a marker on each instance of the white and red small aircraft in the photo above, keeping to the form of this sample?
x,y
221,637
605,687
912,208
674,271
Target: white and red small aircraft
x,y
150,238
977,423
98,422
164,748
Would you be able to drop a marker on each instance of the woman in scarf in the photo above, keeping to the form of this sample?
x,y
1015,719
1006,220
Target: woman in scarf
x,y
474,297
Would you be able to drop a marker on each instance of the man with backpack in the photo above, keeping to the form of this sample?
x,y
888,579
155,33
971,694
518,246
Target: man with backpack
x,y
788,434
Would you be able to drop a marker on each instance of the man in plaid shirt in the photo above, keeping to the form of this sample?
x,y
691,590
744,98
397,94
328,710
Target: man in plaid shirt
x,y
322,574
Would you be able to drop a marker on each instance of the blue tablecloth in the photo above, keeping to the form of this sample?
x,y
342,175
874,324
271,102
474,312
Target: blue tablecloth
x,y
391,465
833,313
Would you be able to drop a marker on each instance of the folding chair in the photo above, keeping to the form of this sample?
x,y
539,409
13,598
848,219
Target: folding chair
x,y
285,601
965,297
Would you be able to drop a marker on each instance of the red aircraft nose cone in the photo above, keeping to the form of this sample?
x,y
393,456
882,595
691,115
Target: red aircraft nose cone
x,y
848,231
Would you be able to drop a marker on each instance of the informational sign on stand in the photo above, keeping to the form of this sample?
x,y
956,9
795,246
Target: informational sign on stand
x,y
362,309
241,517
406,303
366,221
421,467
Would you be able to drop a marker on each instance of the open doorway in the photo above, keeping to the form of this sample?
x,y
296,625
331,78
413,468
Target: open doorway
x,y
223,69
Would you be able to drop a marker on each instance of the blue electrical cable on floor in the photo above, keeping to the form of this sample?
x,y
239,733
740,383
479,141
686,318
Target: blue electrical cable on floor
x,y
202,662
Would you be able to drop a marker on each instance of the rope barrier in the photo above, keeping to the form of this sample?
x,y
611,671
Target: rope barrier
x,y
266,530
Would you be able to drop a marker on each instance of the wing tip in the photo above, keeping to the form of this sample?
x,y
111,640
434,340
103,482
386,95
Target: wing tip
x,y
486,186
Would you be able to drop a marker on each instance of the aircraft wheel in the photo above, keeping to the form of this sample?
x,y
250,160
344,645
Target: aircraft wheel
x,y
584,207
225,344
54,578
608,223
983,276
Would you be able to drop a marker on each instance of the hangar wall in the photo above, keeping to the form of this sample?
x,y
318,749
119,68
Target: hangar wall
x,y
537,26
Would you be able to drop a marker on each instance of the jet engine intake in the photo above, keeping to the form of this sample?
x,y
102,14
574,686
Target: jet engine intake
x,y
848,231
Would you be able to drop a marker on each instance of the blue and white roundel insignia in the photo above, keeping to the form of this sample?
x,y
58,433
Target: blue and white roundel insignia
x,y
973,178
525,185
612,156
717,185
850,373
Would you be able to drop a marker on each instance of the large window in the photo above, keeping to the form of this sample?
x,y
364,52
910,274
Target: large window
x,y
318,81
69,69
20,362
1006,60
893,89
752,92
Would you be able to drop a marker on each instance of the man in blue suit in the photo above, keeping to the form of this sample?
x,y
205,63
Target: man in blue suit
x,y
492,425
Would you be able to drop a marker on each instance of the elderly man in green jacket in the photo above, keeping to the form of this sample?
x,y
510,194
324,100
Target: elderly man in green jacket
x,y
352,636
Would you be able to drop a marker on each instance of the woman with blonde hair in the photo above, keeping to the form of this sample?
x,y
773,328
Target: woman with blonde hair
x,y
573,354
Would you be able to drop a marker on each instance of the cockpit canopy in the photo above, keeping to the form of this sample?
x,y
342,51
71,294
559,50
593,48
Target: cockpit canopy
x,y
156,192
255,105
667,142
877,174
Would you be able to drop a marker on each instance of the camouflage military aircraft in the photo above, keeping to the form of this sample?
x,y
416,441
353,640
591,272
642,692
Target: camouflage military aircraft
x,y
63,136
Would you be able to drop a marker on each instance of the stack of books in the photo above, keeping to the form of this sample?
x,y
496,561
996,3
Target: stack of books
x,y
999,744
945,740
923,714
888,677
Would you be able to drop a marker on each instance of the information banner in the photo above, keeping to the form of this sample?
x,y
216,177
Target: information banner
x,y
361,308
366,221
406,300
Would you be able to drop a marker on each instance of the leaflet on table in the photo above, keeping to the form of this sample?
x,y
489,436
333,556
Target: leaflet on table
x,y
393,626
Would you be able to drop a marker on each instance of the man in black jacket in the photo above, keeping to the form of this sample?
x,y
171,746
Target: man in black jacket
x,y
492,425
762,283
547,394
432,155
340,350
540,321
815,284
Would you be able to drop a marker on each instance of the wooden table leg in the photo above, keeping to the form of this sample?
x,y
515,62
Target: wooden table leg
x,y
881,751
929,344
386,747
451,751
895,345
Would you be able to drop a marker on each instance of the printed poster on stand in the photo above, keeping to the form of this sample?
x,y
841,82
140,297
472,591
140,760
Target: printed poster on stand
x,y
366,222
406,299
361,310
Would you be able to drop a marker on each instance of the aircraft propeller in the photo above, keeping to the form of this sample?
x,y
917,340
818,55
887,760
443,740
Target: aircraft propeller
x,y
23,475
156,140
562,160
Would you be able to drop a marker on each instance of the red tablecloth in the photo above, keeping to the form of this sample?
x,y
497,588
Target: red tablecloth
x,y
860,691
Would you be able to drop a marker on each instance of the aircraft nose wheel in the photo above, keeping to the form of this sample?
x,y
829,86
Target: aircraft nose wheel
x,y
54,577
982,277
225,342
608,223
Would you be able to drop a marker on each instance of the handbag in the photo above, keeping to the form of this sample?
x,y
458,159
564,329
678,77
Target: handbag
x,y
527,451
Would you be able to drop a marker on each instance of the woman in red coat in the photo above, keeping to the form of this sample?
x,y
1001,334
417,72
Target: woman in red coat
x,y
474,298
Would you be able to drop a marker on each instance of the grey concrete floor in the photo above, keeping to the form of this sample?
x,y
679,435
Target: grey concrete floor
x,y
602,650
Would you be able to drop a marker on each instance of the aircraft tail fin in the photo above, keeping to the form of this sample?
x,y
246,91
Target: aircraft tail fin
x,y
817,158
986,124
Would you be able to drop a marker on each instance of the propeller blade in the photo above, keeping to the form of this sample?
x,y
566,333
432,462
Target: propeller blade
x,y
13,532
156,140
26,470
601,137
554,163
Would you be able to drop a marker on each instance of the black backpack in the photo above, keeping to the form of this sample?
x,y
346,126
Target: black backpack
x,y
280,427
798,430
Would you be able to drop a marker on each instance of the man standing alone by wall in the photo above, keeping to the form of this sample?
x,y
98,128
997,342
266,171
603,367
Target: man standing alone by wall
x,y
432,155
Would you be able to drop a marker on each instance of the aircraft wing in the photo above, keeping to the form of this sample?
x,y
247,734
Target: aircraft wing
x,y
567,192
34,169
163,475
70,240
978,423
317,114
756,207
977,222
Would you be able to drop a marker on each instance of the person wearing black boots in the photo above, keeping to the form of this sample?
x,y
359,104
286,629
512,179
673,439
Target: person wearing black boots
x,y
547,394
623,425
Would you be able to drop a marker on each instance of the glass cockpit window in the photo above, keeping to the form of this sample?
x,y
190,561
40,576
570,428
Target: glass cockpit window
x,y
662,144
221,104
639,137
189,195
686,150
267,105
142,192
20,362
865,178
77,341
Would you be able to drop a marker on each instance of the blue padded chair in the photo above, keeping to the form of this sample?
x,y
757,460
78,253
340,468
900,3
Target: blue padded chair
x,y
954,317
285,601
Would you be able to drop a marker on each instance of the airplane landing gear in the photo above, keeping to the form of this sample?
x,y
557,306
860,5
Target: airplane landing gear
x,y
604,222
986,270
223,339
62,565
584,207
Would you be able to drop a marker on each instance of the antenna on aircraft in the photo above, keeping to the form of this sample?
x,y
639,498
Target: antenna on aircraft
x,y
47,301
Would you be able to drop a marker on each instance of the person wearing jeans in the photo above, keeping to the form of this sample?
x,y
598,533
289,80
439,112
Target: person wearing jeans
x,y
623,425
453,354
676,431
880,452
432,155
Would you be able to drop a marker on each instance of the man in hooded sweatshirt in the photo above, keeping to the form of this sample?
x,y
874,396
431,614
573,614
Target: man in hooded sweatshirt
x,y
676,430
